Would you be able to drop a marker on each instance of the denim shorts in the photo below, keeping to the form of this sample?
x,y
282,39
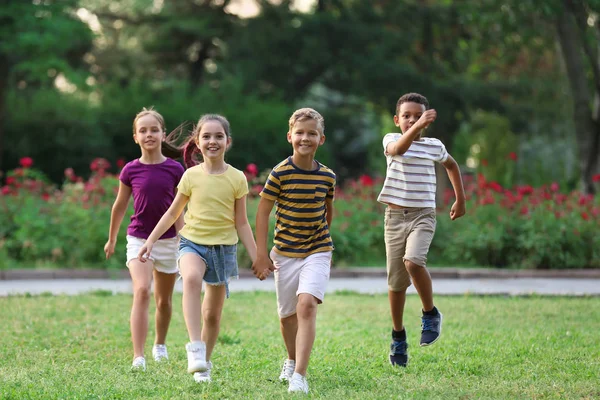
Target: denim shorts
x,y
220,260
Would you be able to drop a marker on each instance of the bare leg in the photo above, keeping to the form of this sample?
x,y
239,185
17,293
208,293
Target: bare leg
x,y
289,328
306,310
192,270
422,281
212,307
163,293
141,276
397,300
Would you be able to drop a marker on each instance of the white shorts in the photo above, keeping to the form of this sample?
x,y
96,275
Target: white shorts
x,y
299,275
164,253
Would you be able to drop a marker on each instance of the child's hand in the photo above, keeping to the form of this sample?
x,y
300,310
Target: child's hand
x,y
144,253
109,249
427,118
262,267
457,210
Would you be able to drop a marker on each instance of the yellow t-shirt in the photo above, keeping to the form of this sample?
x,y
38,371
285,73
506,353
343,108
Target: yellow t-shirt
x,y
210,216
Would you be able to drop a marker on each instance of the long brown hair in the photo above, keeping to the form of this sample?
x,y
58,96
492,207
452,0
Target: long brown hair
x,y
189,149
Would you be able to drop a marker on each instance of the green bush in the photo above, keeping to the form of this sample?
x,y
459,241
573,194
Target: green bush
x,y
525,227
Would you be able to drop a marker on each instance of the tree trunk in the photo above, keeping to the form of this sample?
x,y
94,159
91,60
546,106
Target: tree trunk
x,y
585,126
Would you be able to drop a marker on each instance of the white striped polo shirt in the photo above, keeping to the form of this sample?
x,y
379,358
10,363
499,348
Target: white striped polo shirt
x,y
410,178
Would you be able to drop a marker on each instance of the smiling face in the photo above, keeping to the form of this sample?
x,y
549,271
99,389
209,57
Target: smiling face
x,y
306,137
212,140
149,133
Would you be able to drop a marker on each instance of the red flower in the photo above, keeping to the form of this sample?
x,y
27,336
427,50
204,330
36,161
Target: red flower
x,y
512,155
5,190
10,180
120,163
495,186
69,173
26,162
484,162
366,180
252,169
523,190
99,164
45,197
585,216
524,210
554,187
596,178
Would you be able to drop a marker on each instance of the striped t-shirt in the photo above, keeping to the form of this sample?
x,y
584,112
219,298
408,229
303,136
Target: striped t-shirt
x,y
410,177
300,225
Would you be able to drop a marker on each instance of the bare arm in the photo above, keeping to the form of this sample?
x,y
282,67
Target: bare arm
x,y
167,220
243,228
458,208
329,211
263,265
401,145
180,221
116,217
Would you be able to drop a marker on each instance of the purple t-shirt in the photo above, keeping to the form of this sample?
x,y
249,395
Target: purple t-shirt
x,y
153,187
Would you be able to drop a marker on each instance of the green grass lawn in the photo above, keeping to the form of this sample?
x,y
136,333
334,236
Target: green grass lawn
x,y
491,347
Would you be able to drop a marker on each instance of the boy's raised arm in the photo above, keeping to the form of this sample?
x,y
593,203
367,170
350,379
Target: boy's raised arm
x,y
263,266
401,145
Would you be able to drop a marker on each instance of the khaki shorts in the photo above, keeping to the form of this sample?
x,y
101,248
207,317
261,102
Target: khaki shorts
x,y
294,276
408,235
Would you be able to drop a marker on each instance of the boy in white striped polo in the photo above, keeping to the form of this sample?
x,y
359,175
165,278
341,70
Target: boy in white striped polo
x,y
409,193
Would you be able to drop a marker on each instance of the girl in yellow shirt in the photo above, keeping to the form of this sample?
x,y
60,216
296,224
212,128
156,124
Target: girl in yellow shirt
x,y
215,194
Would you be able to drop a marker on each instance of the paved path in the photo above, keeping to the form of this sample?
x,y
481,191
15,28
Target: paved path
x,y
519,286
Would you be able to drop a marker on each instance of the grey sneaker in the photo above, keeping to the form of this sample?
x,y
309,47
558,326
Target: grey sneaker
x,y
201,377
287,370
431,326
399,353
196,353
298,383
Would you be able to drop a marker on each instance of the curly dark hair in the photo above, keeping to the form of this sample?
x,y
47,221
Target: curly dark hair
x,y
412,98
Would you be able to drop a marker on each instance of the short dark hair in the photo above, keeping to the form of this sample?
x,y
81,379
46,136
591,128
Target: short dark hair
x,y
412,98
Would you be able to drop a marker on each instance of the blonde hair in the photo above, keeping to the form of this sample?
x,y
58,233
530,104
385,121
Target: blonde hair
x,y
149,111
303,114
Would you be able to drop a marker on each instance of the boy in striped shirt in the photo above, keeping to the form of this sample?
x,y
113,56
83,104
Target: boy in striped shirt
x,y
302,191
410,219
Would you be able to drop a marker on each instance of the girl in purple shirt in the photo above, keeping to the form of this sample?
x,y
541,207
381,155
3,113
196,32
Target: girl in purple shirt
x,y
152,179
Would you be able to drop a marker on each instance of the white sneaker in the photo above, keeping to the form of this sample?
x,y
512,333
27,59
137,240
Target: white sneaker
x,y
287,370
204,376
196,352
139,364
298,383
159,352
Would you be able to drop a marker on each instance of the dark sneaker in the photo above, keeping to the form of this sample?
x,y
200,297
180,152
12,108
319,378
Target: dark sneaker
x,y
431,328
399,353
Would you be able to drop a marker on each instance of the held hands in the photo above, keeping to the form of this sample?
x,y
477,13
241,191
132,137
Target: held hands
x,y
109,248
262,267
144,253
426,118
457,210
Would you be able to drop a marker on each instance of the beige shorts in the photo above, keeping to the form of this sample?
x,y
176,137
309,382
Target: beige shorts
x,y
299,275
164,253
408,235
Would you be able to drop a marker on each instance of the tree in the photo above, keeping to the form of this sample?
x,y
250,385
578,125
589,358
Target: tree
x,y
38,41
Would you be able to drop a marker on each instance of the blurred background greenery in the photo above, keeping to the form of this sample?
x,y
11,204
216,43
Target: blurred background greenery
x,y
514,76
516,84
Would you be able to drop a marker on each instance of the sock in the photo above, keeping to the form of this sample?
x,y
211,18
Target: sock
x,y
399,336
433,312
